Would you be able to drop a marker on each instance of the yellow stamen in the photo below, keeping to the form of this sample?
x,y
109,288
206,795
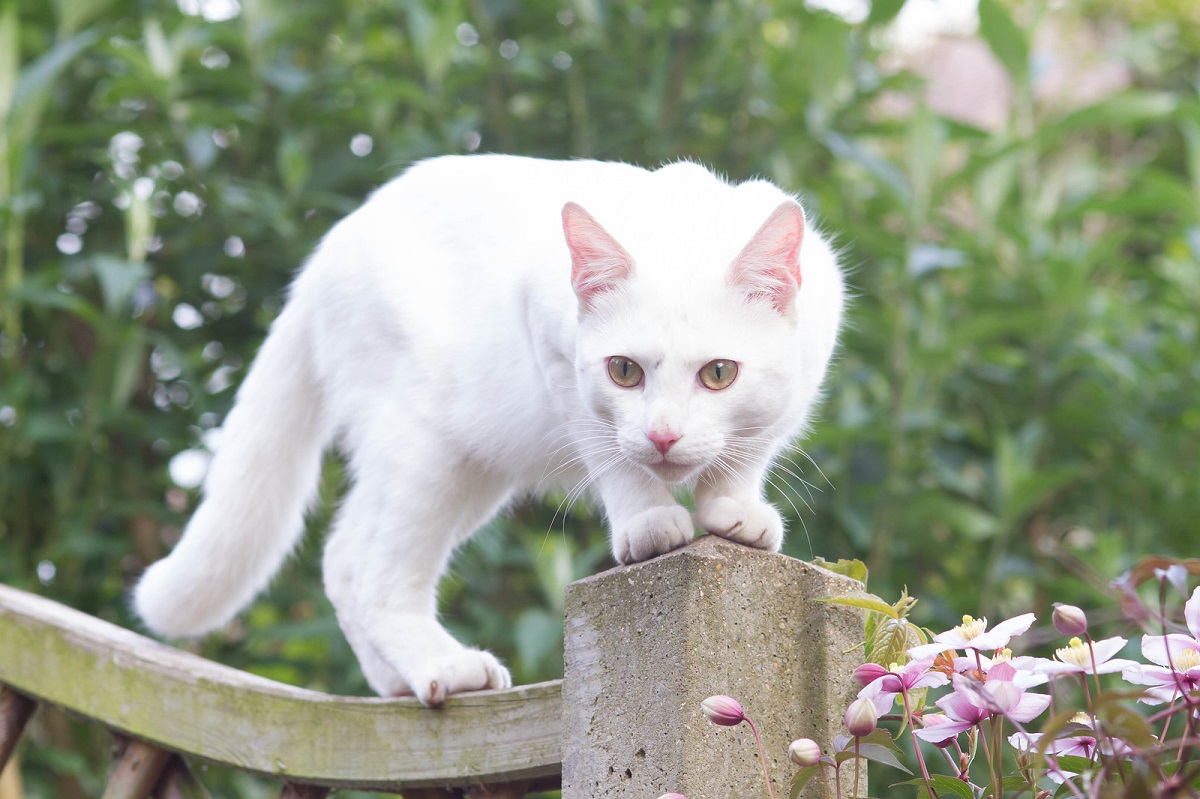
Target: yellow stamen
x,y
1075,653
970,628
1186,660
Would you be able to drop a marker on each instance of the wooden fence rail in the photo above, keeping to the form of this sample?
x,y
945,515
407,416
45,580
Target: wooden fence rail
x,y
644,645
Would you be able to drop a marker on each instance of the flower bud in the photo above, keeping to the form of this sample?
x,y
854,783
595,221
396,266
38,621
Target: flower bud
x,y
933,720
868,673
723,710
804,752
1069,620
861,718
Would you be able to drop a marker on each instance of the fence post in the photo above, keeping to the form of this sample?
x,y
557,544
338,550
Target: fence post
x,y
645,644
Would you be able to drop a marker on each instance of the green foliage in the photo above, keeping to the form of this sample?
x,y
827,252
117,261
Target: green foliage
x,y
1013,417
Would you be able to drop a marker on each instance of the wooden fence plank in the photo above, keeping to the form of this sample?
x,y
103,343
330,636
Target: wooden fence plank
x,y
178,782
137,772
508,790
294,791
15,711
187,704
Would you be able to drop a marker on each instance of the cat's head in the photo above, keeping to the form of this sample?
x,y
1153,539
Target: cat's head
x,y
687,363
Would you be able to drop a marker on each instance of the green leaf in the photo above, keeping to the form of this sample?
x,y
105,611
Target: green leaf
x,y
35,80
883,12
945,784
10,51
852,568
127,370
118,279
876,166
1074,763
1006,40
862,600
881,737
291,159
1123,110
1125,723
802,777
881,754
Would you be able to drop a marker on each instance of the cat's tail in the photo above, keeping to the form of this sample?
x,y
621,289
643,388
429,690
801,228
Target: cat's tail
x,y
260,481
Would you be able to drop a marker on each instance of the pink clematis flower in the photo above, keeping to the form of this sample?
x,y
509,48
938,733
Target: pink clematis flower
x,y
1027,675
972,701
881,686
1077,739
1176,659
961,713
1077,658
973,634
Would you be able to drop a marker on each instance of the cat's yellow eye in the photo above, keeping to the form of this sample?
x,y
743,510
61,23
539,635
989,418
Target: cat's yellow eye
x,y
624,371
718,374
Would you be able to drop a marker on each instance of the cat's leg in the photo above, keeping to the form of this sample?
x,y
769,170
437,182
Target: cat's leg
x,y
341,567
394,538
643,516
729,504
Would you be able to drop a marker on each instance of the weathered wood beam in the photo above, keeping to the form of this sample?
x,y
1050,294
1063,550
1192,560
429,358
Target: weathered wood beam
x,y
137,772
293,791
184,703
178,782
15,710
429,793
507,790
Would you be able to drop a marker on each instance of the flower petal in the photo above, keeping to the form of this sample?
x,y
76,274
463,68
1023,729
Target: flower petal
x,y
1030,707
929,651
1191,613
1106,648
1154,647
938,733
999,636
961,705
882,699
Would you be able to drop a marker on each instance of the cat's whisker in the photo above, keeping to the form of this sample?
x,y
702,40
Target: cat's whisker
x,y
780,464
581,487
576,459
816,466
739,457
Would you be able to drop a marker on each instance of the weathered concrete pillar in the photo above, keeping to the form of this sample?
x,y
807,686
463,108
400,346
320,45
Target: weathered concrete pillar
x,y
645,644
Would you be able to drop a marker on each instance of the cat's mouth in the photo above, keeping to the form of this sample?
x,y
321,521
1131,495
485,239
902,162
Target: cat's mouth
x,y
672,471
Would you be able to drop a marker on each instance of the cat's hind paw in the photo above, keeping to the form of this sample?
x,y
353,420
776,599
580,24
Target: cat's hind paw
x,y
652,532
755,524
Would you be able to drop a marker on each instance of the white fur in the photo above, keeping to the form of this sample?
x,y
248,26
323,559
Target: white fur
x,y
436,335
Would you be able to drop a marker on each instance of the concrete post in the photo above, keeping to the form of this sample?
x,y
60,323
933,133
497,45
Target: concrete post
x,y
645,644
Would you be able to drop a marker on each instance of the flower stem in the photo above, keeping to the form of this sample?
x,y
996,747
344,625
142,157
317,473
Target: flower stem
x,y
857,762
825,780
762,756
916,743
987,756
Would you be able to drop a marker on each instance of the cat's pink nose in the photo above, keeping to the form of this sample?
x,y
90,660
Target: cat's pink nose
x,y
662,439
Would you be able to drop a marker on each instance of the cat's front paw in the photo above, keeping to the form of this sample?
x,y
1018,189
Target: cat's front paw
x,y
466,670
754,523
651,532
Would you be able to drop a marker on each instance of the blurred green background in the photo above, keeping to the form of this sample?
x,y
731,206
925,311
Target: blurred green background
x,y
1014,417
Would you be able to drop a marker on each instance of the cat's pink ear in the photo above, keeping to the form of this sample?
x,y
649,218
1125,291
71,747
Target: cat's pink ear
x,y
768,268
598,262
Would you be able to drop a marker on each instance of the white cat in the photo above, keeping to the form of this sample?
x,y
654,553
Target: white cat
x,y
471,335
